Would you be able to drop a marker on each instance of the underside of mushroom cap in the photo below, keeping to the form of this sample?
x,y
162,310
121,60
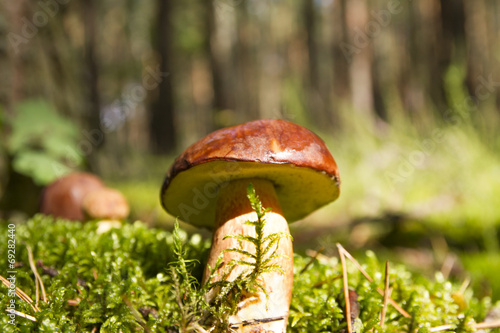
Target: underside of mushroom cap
x,y
293,158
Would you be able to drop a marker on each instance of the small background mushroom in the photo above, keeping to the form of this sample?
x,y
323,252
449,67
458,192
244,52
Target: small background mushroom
x,y
82,196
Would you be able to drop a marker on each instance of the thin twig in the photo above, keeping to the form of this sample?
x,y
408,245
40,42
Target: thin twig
x,y
478,326
331,279
464,286
387,293
21,314
73,302
38,279
489,324
138,317
369,278
447,266
346,288
313,258
21,294
441,328
198,328
257,321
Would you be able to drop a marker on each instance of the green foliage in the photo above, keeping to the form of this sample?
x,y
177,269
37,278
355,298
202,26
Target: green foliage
x,y
42,143
190,300
483,269
140,279
265,252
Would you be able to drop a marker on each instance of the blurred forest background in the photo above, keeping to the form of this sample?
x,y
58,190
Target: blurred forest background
x,y
405,94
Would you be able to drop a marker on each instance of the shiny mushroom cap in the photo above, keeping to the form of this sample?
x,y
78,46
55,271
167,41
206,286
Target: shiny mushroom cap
x,y
294,159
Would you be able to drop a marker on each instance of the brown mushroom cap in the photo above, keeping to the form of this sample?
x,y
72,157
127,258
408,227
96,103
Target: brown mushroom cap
x,y
105,203
293,158
64,197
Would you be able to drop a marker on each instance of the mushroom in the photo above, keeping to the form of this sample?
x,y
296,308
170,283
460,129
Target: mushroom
x,y
81,195
105,203
293,173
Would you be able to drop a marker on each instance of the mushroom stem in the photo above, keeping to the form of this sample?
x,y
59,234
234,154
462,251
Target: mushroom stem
x,y
233,208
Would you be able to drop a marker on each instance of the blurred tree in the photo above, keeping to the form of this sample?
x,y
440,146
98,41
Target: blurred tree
x,y
340,67
310,24
213,50
163,134
315,98
93,105
480,41
360,69
12,60
226,61
452,44
245,60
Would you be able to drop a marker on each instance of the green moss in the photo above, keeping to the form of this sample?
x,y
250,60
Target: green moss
x,y
483,269
317,305
124,272
99,272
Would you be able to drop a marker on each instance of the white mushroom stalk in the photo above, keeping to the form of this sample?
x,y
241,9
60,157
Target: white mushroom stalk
x,y
255,310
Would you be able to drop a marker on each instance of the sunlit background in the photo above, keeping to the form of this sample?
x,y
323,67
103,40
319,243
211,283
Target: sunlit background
x,y
404,93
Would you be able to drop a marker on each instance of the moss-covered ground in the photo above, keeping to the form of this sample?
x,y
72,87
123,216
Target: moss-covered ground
x,y
119,281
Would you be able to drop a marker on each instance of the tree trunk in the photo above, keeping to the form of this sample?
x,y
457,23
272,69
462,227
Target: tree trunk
x,y
479,42
310,27
21,194
221,100
12,92
360,69
93,107
163,136
316,97
247,86
453,42
340,78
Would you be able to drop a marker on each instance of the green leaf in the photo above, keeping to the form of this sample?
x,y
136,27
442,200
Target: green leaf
x,y
245,253
42,167
243,238
43,143
36,121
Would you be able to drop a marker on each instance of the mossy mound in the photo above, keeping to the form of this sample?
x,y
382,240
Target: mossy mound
x,y
119,281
